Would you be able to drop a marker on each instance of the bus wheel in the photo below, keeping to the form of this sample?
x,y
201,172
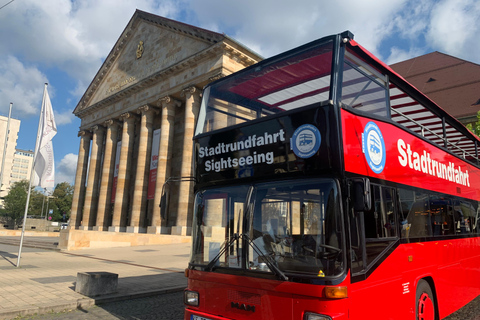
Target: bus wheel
x,y
425,303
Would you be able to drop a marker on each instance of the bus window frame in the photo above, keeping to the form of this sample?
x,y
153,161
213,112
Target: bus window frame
x,y
336,68
392,242
349,53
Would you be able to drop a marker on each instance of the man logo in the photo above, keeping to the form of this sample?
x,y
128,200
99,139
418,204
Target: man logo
x,y
373,147
242,306
306,141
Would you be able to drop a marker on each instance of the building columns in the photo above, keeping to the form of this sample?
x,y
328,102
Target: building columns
x,y
105,195
137,222
185,199
164,164
91,195
120,207
79,188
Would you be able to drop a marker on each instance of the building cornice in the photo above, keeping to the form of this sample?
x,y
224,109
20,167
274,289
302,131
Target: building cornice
x,y
217,49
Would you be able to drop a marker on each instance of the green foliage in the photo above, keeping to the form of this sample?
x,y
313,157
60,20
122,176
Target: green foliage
x,y
36,203
62,201
14,203
475,127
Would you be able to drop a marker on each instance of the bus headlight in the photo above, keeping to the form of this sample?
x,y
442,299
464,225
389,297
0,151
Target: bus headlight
x,y
314,316
191,298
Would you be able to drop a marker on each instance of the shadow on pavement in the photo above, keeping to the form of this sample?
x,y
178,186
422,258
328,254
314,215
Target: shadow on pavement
x,y
7,256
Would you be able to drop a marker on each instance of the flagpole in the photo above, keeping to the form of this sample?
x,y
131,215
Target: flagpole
x,y
31,175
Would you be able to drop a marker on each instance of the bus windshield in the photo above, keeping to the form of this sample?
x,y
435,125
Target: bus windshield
x,y
282,228
284,84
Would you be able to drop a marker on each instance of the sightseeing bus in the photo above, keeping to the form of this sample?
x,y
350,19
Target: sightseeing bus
x,y
328,187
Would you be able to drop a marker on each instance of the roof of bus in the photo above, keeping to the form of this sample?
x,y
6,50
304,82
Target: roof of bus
x,y
410,107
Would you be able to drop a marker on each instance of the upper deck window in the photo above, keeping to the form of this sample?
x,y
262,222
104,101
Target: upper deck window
x,y
363,87
288,82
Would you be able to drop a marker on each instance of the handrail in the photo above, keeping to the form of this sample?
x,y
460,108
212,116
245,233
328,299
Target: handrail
x,y
465,152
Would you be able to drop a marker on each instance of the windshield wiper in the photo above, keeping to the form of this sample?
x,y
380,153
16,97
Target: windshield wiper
x,y
227,246
268,260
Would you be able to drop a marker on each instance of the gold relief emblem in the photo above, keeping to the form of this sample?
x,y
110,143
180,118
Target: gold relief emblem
x,y
139,49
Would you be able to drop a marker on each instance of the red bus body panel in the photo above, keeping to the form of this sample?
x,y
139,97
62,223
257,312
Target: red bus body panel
x,y
417,171
388,293
453,265
272,299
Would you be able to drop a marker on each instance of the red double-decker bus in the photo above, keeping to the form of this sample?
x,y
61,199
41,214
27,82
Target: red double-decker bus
x,y
328,187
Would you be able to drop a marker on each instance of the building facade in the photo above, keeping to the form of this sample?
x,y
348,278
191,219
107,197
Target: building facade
x,y
137,121
22,165
8,150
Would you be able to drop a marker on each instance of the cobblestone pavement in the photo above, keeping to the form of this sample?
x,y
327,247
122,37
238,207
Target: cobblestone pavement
x,y
470,312
160,307
170,307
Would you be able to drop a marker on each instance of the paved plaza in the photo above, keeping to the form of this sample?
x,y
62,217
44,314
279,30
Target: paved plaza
x,y
45,280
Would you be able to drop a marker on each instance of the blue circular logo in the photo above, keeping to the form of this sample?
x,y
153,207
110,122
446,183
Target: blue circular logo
x,y
374,147
306,141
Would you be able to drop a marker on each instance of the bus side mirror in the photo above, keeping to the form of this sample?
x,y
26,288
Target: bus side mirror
x,y
360,193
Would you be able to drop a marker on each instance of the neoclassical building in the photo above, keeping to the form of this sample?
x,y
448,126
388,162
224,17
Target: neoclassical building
x,y
137,122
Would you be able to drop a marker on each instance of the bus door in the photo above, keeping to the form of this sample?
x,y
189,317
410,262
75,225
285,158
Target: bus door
x,y
376,273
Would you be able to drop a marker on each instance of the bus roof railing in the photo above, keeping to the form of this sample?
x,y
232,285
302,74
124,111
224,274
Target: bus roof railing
x,y
417,112
454,145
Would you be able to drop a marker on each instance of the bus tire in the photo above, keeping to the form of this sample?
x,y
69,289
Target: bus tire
x,y
425,303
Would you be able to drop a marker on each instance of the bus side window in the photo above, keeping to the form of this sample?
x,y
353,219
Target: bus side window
x,y
442,215
406,199
475,225
419,216
464,216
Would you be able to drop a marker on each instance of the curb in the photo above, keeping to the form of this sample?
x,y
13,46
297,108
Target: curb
x,y
83,303
30,245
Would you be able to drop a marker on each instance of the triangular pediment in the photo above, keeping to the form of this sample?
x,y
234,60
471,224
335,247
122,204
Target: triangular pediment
x,y
148,45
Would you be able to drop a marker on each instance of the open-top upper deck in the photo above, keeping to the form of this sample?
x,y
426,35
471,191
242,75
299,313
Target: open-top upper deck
x,y
334,70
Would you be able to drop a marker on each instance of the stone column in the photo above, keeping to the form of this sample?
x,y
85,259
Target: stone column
x,y
91,195
105,195
120,207
79,188
137,223
164,164
185,199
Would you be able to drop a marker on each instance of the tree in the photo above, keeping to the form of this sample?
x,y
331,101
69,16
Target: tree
x,y
475,127
14,202
36,203
61,201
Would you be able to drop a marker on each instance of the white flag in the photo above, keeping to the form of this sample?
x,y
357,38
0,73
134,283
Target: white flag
x,y
44,162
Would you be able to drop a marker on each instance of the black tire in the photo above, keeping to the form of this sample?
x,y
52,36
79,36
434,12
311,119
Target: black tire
x,y
425,303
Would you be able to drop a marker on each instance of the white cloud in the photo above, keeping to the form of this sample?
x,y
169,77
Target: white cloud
x,y
398,54
74,36
22,85
63,118
412,20
454,28
66,169
273,26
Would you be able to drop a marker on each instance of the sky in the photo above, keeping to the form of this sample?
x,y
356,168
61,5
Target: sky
x,y
64,43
